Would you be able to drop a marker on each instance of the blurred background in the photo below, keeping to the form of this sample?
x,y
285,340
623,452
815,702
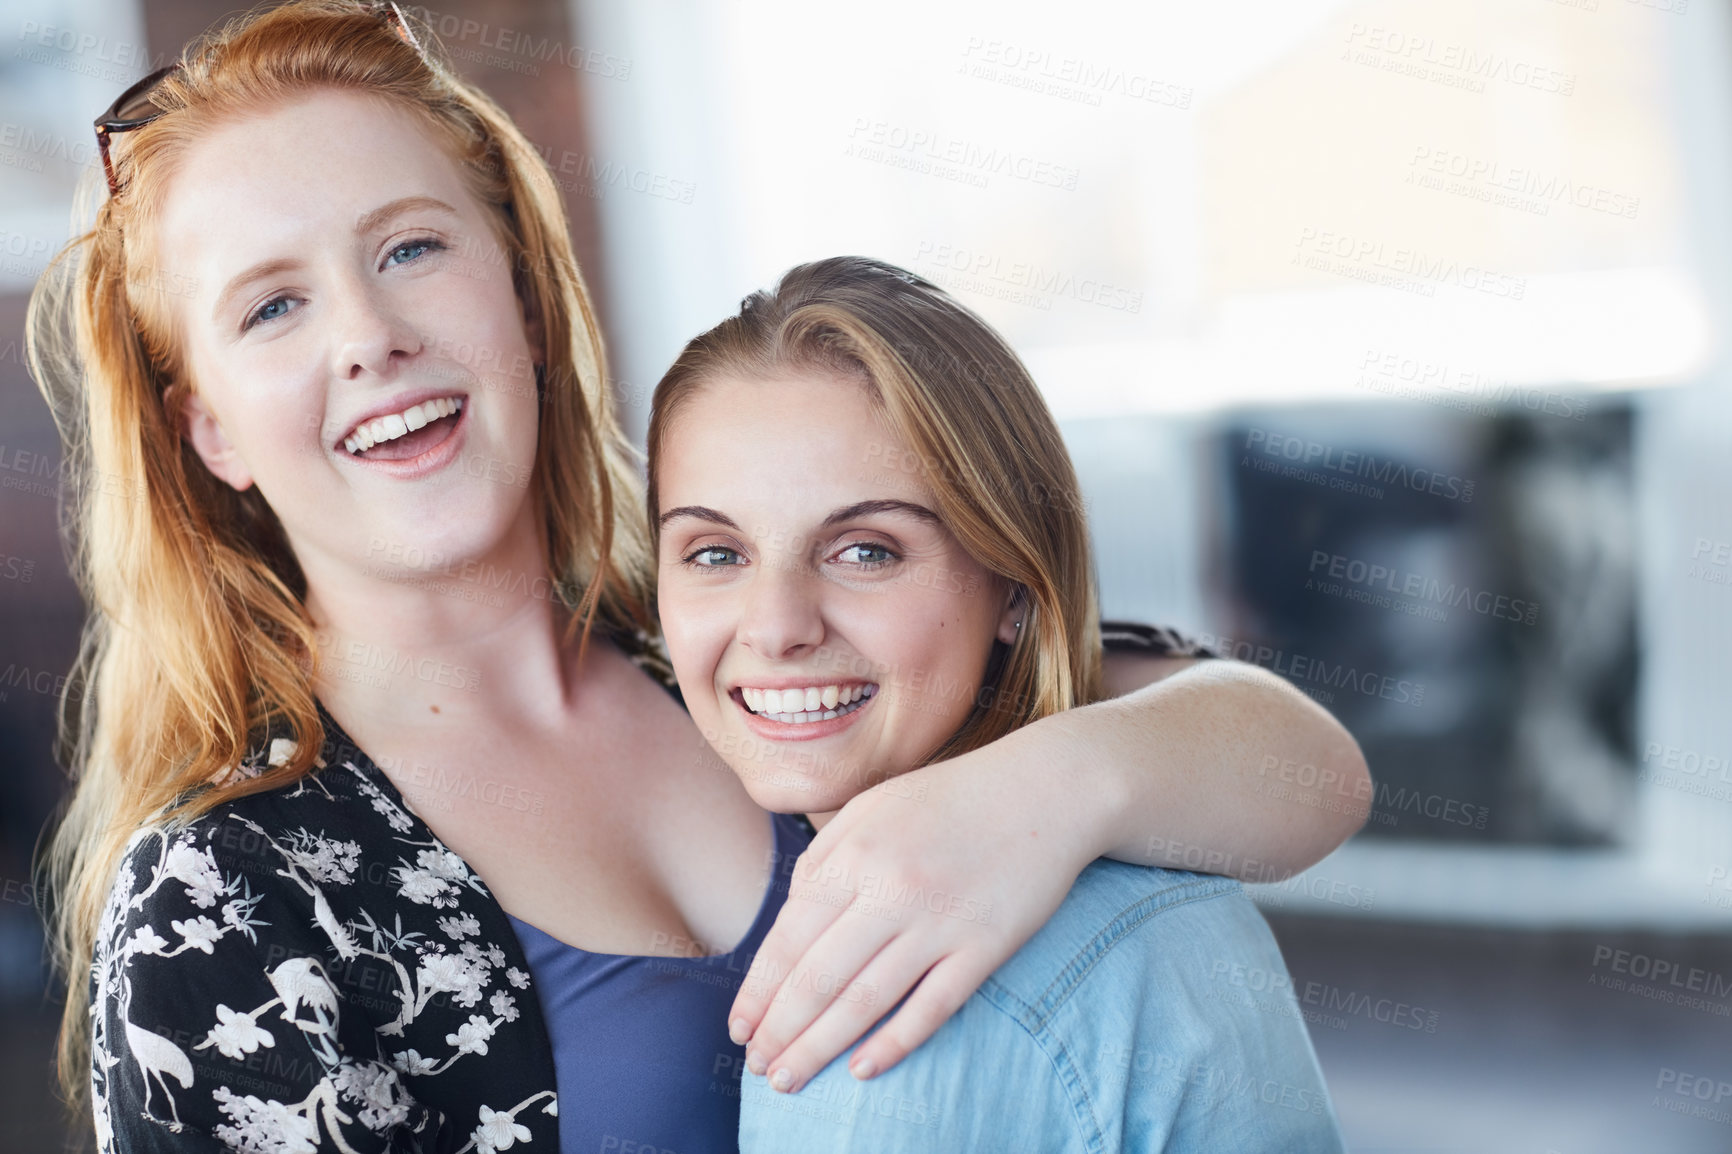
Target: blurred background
x,y
1390,338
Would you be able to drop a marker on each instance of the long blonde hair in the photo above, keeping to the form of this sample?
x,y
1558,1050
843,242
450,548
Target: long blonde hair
x,y
982,439
198,638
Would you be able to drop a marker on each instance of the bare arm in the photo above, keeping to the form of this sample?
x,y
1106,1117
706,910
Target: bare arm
x,y
1208,765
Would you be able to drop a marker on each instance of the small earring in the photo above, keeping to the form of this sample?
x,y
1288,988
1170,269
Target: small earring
x,y
1019,625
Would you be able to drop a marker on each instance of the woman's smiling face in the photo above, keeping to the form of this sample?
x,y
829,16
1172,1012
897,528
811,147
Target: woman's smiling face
x,y
352,329
827,629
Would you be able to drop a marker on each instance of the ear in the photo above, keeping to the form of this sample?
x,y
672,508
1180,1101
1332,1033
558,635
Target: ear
x,y
1015,610
199,426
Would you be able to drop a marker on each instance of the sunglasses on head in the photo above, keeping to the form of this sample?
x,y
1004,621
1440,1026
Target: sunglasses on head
x,y
136,107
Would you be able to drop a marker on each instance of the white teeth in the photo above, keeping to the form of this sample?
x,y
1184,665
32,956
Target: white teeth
x,y
796,706
389,428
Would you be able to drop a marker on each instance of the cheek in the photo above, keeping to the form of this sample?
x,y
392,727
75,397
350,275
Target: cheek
x,y
696,630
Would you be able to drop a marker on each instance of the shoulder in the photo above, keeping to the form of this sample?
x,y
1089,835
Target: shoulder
x,y
1114,906
1164,992
1130,638
311,949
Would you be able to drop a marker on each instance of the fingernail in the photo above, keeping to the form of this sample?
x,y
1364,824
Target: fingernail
x,y
755,1062
739,1031
782,1080
863,1068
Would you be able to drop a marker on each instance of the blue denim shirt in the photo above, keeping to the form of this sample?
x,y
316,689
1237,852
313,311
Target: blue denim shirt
x,y
1152,1012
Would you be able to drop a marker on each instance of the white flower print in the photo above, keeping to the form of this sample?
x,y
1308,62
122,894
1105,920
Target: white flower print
x,y
377,1090
448,973
462,926
412,1063
422,888
471,1037
451,982
393,813
264,1127
498,1131
198,869
200,933
442,863
323,859
237,1035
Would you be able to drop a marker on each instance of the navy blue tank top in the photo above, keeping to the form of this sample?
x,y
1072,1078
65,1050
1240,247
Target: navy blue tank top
x,y
640,1044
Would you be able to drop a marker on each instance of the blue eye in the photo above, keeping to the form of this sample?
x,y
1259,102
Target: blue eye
x,y
712,557
867,556
271,310
411,250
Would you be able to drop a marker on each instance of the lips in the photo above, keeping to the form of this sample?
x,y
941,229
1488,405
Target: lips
x,y
404,428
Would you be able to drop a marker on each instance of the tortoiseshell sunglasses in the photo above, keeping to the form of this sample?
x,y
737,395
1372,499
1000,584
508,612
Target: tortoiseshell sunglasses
x,y
135,108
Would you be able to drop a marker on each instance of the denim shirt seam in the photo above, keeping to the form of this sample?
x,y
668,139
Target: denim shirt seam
x,y
1128,920
1034,1020
1064,1067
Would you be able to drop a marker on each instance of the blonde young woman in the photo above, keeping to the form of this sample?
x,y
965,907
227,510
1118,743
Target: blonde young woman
x,y
369,700
945,607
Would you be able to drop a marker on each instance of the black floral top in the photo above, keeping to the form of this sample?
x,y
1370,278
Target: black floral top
x,y
311,970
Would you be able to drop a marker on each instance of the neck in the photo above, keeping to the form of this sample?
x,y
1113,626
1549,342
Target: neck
x,y
482,636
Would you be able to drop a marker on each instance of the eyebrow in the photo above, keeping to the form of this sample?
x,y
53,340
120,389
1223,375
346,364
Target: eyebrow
x,y
846,513
697,512
883,505
369,222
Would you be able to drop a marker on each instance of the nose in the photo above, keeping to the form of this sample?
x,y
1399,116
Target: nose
x,y
372,337
783,617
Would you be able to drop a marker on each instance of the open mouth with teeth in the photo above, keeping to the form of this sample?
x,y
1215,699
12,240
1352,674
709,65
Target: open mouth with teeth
x,y
408,434
802,706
